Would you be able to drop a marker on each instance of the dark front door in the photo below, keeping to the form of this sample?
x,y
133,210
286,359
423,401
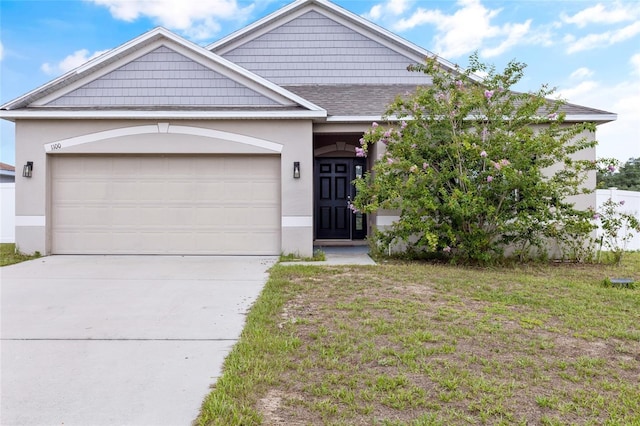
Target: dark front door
x,y
333,194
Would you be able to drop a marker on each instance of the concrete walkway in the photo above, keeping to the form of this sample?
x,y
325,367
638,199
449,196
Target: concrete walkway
x,y
357,255
119,340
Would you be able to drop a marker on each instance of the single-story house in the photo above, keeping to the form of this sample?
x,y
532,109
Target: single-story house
x,y
245,146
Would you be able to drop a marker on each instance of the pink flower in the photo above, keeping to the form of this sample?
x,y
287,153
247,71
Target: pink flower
x,y
361,141
489,178
483,154
389,160
622,203
425,166
353,208
403,124
488,94
596,216
459,84
360,152
504,162
447,249
552,116
611,168
374,124
414,146
387,134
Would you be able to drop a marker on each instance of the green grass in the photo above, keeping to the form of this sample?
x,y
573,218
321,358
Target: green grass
x,y
424,344
318,256
9,255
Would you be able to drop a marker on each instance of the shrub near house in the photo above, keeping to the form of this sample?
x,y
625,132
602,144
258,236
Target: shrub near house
x,y
468,168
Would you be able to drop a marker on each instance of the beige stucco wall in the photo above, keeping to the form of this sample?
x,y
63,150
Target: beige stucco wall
x,y
295,137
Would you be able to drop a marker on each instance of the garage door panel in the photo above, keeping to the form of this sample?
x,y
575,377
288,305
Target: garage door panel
x,y
265,191
166,205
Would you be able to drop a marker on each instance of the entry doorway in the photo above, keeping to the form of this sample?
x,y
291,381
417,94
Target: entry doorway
x,y
334,191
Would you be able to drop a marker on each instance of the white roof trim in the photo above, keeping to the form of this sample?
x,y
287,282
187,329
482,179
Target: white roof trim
x,y
357,118
162,32
177,115
591,117
257,24
580,118
92,63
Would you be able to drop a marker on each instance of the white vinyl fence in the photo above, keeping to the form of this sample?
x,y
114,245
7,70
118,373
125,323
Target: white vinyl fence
x,y
631,205
7,212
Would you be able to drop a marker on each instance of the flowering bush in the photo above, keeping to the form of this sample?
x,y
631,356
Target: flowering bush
x,y
618,228
464,165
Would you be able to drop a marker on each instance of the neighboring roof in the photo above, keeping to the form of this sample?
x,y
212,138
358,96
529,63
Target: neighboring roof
x,y
289,103
7,170
7,167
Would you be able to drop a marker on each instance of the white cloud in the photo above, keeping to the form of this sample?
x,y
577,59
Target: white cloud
x,y
1,51
72,61
196,19
468,29
581,73
515,34
618,139
374,13
599,14
391,8
635,63
580,91
607,38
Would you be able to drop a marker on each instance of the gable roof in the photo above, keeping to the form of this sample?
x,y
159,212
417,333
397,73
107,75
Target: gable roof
x,y
59,97
238,90
337,13
290,35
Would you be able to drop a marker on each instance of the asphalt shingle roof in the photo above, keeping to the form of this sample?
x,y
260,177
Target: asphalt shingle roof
x,y
373,100
352,100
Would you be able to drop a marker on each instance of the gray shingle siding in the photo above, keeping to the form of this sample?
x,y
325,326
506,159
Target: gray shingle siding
x,y
314,49
163,77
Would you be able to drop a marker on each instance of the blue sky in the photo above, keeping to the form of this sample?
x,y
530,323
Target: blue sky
x,y
588,50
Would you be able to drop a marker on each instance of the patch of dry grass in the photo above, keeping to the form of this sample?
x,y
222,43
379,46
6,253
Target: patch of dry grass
x,y
423,344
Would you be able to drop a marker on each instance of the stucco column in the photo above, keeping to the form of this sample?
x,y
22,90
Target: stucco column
x,y
297,193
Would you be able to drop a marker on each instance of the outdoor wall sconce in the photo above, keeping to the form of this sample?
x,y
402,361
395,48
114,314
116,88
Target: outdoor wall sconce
x,y
27,170
296,170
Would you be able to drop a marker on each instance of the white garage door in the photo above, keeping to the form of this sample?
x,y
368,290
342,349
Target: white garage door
x,y
165,205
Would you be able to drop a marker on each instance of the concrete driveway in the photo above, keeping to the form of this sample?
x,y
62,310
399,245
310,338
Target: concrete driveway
x,y
119,340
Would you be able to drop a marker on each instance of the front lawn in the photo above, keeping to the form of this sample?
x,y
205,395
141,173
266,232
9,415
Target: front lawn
x,y
9,256
423,344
